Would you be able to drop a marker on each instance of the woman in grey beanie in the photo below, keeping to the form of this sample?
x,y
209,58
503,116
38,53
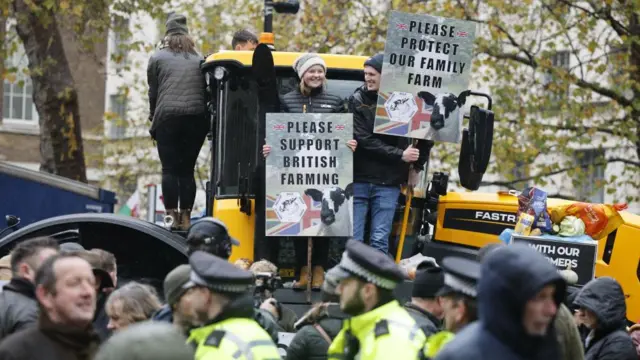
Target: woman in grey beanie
x,y
311,96
178,117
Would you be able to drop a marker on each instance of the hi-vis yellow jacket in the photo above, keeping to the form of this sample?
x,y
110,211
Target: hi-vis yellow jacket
x,y
385,333
233,339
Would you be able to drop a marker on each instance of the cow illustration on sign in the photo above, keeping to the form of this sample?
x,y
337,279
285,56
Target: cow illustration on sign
x,y
336,215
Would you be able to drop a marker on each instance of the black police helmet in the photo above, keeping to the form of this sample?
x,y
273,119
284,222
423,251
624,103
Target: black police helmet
x,y
210,235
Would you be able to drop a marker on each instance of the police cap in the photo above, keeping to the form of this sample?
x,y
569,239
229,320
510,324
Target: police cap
x,y
460,276
217,274
362,261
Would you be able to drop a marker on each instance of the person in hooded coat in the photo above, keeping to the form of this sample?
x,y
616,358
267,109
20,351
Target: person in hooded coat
x,y
515,281
603,310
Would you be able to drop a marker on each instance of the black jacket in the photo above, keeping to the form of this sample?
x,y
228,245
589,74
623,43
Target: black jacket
x,y
510,277
610,340
101,319
176,86
320,101
18,307
308,344
424,319
48,341
378,158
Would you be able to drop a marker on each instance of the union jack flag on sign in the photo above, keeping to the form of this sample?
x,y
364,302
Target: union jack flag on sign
x,y
462,34
402,27
278,127
339,127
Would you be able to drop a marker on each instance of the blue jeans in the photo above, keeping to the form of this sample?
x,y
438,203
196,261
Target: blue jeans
x,y
382,200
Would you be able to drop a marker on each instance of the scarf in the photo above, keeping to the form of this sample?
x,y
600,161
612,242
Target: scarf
x,y
83,343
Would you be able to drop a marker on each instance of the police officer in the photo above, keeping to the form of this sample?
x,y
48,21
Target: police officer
x,y
221,301
458,301
379,327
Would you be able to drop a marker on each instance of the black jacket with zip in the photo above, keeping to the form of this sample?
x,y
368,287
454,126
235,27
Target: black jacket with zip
x,y
319,101
378,158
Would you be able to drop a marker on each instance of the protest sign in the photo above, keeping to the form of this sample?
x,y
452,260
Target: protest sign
x,y
580,256
427,65
309,174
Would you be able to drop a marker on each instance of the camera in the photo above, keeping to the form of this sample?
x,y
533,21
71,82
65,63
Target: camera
x,y
266,284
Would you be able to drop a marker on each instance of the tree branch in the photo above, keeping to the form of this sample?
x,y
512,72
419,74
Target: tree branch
x,y
562,170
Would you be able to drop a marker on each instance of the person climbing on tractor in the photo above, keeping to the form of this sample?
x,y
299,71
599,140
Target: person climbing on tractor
x,y
311,96
177,111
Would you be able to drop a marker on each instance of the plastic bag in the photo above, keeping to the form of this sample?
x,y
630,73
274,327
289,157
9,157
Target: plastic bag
x,y
571,226
533,201
600,220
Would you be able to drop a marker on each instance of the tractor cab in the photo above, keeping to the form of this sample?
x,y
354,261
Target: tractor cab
x,y
234,108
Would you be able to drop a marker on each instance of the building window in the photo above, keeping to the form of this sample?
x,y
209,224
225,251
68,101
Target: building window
x,y
591,184
561,59
119,44
18,102
118,106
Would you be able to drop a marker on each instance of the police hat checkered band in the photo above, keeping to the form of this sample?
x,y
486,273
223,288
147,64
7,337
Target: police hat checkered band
x,y
460,285
197,280
348,264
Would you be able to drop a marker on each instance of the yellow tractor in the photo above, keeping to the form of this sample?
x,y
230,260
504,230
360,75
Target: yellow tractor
x,y
462,222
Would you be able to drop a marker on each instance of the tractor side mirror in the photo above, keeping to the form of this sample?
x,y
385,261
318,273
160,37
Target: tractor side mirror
x,y
481,138
287,7
477,142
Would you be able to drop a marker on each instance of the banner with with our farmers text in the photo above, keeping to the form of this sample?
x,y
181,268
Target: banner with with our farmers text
x,y
426,69
309,174
579,256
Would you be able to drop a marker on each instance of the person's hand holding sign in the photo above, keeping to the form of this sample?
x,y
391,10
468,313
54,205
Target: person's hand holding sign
x,y
410,154
266,149
352,144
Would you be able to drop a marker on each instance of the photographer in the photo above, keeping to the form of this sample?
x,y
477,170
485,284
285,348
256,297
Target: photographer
x,y
267,281
319,326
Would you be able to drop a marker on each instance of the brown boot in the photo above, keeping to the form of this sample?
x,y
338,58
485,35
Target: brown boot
x,y
302,283
185,219
171,219
318,278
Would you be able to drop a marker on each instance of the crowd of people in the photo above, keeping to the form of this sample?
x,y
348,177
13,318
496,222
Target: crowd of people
x,y
65,302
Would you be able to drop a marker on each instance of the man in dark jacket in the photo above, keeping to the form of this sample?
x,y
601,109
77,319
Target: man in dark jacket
x,y
519,292
603,310
319,326
569,342
424,306
381,162
18,305
67,298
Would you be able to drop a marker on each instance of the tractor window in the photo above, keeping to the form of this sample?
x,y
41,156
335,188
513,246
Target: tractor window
x,y
342,87
240,130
